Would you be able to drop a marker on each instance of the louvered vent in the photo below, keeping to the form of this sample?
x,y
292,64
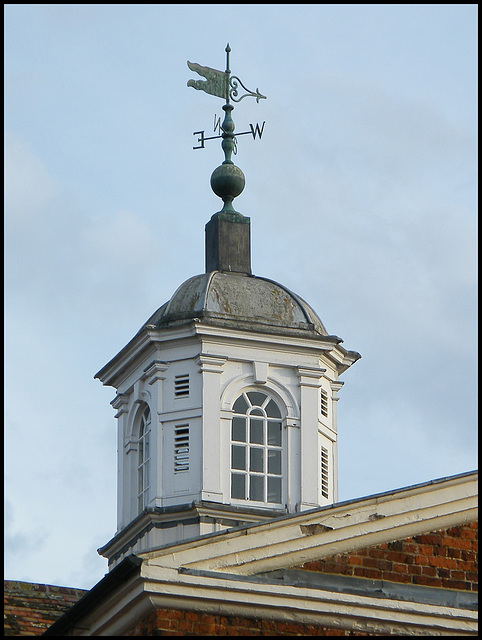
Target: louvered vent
x,y
324,403
181,448
181,386
324,472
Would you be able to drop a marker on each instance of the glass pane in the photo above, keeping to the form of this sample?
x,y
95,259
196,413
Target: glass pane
x,y
239,429
274,434
256,397
274,490
240,406
256,488
256,431
256,459
146,476
256,412
274,462
272,410
238,457
238,490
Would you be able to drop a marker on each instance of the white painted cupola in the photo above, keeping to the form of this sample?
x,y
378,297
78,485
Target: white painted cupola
x,y
225,398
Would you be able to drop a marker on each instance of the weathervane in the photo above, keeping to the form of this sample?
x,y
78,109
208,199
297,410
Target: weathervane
x,y
227,181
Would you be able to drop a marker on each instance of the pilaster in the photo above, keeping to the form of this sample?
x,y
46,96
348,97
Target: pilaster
x,y
335,387
155,374
310,383
211,368
121,405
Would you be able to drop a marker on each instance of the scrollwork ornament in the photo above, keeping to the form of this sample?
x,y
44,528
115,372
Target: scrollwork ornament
x,y
234,82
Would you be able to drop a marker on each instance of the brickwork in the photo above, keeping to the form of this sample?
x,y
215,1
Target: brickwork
x,y
29,608
445,558
164,622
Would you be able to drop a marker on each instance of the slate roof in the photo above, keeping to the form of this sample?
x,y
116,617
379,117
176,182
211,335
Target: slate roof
x,y
30,608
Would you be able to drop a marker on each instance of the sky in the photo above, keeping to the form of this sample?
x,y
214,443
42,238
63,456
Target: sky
x,y
362,199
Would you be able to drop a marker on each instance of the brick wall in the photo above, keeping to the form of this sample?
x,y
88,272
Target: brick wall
x,y
164,622
445,558
30,608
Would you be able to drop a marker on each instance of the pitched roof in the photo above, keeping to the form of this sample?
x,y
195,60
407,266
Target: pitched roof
x,y
30,608
259,570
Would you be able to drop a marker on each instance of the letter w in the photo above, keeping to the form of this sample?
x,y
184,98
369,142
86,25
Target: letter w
x,y
257,130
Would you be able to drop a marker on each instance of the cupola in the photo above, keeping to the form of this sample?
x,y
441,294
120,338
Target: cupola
x,y
226,396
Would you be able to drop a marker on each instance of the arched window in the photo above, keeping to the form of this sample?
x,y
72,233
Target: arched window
x,y
256,449
143,460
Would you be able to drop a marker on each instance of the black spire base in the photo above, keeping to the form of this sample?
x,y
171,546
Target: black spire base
x,y
228,243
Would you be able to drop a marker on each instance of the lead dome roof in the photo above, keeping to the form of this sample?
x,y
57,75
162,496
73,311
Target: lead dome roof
x,y
238,300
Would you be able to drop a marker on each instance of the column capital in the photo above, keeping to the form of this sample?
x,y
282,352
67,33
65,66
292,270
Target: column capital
x,y
335,387
155,371
120,403
209,363
310,376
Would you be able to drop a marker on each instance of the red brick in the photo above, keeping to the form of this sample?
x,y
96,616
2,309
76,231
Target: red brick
x,y
425,549
163,624
421,560
371,563
415,569
429,538
457,575
367,573
456,584
468,556
443,573
457,543
447,563
426,581
400,568
440,551
472,576
396,577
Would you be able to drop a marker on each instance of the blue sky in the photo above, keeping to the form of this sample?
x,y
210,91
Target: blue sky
x,y
362,199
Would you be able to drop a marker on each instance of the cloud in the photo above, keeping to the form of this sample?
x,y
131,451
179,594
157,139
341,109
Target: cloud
x,y
20,541
29,189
